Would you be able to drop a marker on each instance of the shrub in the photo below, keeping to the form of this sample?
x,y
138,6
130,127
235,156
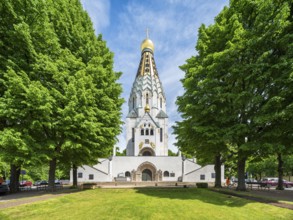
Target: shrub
x,y
202,185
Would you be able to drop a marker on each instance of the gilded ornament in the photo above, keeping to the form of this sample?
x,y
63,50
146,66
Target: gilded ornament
x,y
140,145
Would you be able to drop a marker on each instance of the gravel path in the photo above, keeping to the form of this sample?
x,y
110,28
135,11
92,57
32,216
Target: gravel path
x,y
264,196
12,200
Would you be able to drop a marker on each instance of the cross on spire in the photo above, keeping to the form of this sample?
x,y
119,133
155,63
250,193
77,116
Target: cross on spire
x,y
147,33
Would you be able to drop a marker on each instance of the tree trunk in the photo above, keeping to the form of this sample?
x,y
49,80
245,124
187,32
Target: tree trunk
x,y
14,178
280,172
218,181
74,174
52,172
241,173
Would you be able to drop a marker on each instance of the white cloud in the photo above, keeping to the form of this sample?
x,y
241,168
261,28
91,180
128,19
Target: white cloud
x,y
98,10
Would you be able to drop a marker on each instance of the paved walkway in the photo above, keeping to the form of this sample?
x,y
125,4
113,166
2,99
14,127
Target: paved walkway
x,y
274,197
11,200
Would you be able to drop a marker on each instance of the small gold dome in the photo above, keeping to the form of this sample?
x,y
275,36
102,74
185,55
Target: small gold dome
x,y
147,108
147,43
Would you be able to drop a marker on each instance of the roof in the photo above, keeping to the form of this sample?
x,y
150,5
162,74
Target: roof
x,y
162,114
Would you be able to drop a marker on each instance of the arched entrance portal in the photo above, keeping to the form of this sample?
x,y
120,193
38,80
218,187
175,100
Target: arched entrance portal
x,y
146,175
148,172
147,151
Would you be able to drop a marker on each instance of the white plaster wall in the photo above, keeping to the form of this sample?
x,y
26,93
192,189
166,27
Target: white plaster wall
x,y
106,171
103,165
190,166
86,171
206,170
122,164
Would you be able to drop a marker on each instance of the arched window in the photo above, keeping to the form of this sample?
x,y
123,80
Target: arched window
x,y
146,131
127,174
142,132
147,98
161,103
166,174
152,132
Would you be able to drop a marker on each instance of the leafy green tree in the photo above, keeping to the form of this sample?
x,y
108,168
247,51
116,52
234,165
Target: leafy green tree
x,y
59,100
19,28
288,166
276,117
231,85
171,153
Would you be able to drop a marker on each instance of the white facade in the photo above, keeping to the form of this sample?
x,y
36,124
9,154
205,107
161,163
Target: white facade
x,y
131,168
147,137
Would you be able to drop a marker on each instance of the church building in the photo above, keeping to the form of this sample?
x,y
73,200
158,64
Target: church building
x,y
146,137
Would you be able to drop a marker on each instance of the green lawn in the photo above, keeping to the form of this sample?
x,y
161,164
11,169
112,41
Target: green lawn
x,y
151,203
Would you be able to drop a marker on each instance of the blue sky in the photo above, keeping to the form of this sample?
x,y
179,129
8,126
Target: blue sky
x,y
173,27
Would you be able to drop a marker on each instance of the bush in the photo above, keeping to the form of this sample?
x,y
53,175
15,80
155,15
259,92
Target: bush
x,y
202,185
89,185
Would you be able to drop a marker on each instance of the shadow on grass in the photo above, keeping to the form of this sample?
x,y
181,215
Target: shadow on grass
x,y
202,195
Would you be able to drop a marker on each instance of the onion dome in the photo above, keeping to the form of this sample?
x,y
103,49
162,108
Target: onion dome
x,y
147,44
147,108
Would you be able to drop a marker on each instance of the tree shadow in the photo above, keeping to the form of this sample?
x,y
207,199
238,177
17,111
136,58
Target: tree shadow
x,y
203,195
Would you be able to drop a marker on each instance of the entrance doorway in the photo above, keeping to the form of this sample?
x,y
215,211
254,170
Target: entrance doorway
x,y
146,175
146,153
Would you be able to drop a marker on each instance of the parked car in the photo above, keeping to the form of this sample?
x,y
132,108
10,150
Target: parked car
x,y
287,184
58,182
273,181
250,181
269,181
40,183
4,188
25,183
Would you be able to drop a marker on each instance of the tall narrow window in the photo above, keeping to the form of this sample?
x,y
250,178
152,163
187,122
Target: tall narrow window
x,y
160,102
133,102
161,134
147,98
132,135
146,131
142,132
152,131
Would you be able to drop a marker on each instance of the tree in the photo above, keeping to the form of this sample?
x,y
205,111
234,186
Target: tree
x,y
232,83
67,105
19,28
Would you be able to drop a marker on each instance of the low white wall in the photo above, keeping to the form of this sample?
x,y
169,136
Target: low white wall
x,y
107,170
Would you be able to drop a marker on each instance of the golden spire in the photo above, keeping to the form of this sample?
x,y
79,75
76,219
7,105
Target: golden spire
x,y
147,43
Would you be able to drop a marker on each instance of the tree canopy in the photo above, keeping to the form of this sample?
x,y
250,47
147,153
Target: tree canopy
x,y
59,97
238,86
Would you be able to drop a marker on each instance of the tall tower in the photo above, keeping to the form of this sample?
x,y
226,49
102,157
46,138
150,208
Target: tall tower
x,y
147,121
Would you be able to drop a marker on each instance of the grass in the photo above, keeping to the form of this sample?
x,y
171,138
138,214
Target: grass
x,y
146,203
